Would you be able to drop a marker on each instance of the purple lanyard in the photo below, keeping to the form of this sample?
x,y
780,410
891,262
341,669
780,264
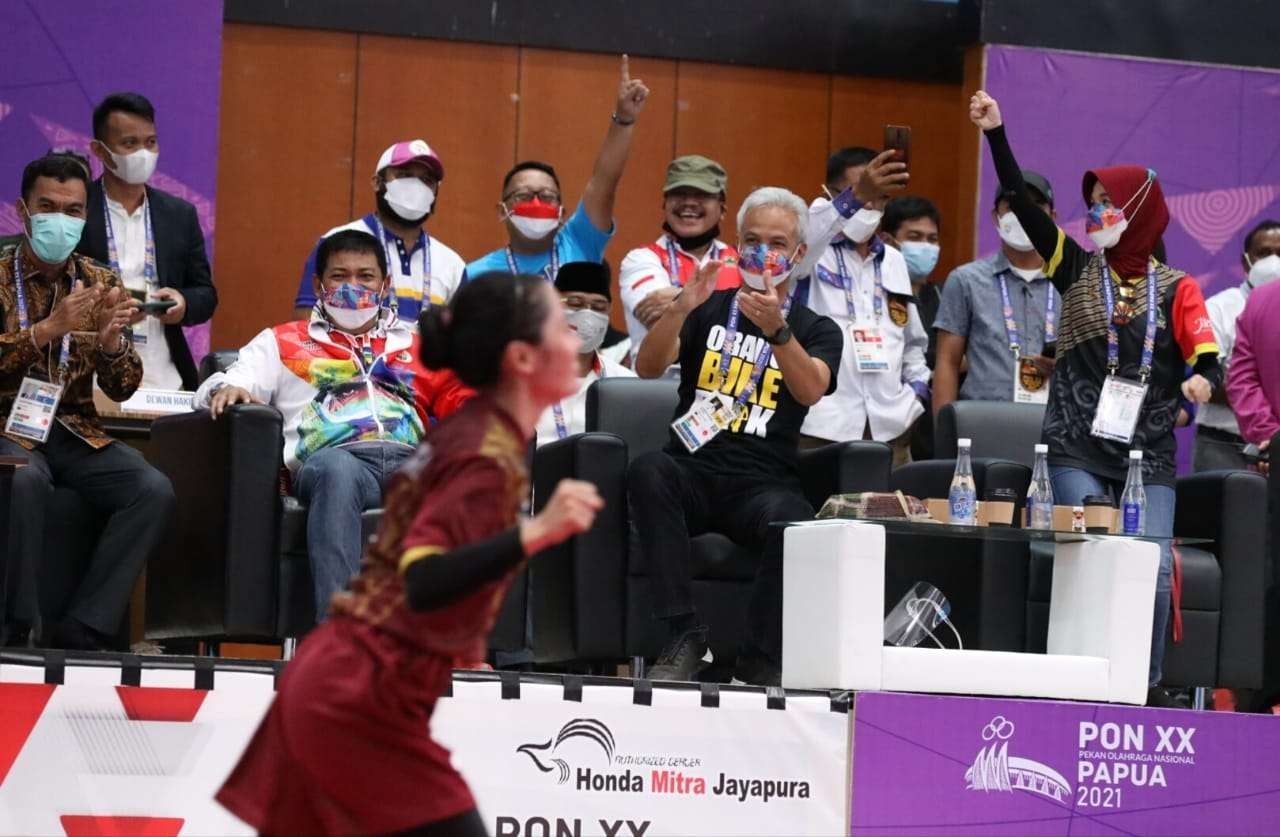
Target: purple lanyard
x,y
1011,326
24,322
846,282
673,261
562,427
554,265
425,241
731,335
1153,319
149,263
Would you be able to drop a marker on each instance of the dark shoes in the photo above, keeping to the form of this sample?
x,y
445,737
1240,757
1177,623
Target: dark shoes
x,y
70,635
1158,697
684,657
756,670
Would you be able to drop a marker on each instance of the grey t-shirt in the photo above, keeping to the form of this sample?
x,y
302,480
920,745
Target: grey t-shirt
x,y
972,308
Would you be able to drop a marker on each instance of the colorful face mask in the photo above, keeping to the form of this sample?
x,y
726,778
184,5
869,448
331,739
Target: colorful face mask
x,y
351,306
1105,224
754,259
535,219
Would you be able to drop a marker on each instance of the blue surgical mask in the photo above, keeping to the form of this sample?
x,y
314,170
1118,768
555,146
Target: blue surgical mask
x,y
921,257
54,235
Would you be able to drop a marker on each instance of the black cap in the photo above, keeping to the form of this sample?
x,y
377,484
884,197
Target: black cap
x,y
1036,182
584,277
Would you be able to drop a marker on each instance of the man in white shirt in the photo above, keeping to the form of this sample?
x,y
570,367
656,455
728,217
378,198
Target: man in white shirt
x,y
584,290
692,206
424,272
1218,441
864,286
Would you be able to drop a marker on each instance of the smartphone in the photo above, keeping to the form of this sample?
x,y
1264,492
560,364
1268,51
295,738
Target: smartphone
x,y
157,306
898,138
1253,455
1050,350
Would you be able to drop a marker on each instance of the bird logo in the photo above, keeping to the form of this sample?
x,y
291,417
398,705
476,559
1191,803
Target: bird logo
x,y
545,756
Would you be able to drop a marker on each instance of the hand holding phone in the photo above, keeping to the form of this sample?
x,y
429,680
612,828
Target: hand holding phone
x,y
897,138
156,306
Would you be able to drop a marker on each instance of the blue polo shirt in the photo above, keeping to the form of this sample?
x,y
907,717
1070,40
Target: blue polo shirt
x,y
577,241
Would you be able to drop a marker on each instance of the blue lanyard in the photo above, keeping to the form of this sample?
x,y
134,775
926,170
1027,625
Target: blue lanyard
x,y
673,261
731,335
1153,319
1011,325
554,265
846,282
557,412
24,322
425,241
149,262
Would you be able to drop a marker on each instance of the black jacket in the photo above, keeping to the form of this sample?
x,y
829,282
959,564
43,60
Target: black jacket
x,y
181,263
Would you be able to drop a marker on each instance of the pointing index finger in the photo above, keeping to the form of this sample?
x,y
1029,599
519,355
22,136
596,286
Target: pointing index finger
x,y
626,68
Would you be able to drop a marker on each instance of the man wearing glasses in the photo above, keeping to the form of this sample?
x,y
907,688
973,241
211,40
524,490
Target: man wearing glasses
x,y
584,290
540,240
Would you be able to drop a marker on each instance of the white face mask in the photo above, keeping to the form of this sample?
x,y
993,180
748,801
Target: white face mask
x,y
410,198
1028,274
591,327
135,168
1263,271
1012,233
862,225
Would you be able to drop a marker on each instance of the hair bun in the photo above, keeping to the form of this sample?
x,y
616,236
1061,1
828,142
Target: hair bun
x,y
436,337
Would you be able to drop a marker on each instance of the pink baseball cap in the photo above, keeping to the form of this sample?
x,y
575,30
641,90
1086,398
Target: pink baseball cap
x,y
410,151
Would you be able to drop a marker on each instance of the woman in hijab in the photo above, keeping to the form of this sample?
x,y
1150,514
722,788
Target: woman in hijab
x,y
1112,352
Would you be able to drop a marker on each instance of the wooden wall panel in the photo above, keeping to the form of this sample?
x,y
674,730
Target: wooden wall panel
x,y
284,166
766,127
860,108
565,103
461,99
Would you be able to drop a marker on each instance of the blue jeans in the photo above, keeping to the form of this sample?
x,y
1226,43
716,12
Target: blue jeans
x,y
1072,485
337,484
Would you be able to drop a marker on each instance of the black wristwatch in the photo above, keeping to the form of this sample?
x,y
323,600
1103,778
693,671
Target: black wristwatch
x,y
780,336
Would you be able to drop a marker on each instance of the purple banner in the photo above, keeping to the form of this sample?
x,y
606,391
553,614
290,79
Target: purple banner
x,y
1209,132
925,765
61,59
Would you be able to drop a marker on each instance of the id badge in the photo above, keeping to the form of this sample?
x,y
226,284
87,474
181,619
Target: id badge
x,y
868,349
1030,385
704,421
1118,408
34,410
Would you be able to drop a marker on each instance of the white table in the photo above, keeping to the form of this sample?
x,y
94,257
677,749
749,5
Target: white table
x,y
1100,616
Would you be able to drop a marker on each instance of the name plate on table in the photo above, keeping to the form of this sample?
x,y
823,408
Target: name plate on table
x,y
158,401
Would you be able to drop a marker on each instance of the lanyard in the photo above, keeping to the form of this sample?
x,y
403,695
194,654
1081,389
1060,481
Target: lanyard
x,y
425,241
1011,326
149,263
366,358
554,265
673,261
24,322
846,282
557,411
1153,319
731,335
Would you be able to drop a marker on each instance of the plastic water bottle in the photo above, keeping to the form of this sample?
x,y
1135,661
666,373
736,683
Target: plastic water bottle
x,y
1133,502
1040,495
963,498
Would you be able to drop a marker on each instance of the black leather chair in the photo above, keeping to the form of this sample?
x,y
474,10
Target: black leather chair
x,y
1224,583
236,564
984,580
634,415
998,429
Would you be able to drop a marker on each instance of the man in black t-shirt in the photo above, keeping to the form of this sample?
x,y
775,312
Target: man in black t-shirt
x,y
731,464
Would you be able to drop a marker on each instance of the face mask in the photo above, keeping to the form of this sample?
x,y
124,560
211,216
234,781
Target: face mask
x,y
410,198
1105,224
1263,271
591,327
921,257
1028,274
535,219
862,225
350,306
54,235
918,613
135,168
753,259
1012,233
